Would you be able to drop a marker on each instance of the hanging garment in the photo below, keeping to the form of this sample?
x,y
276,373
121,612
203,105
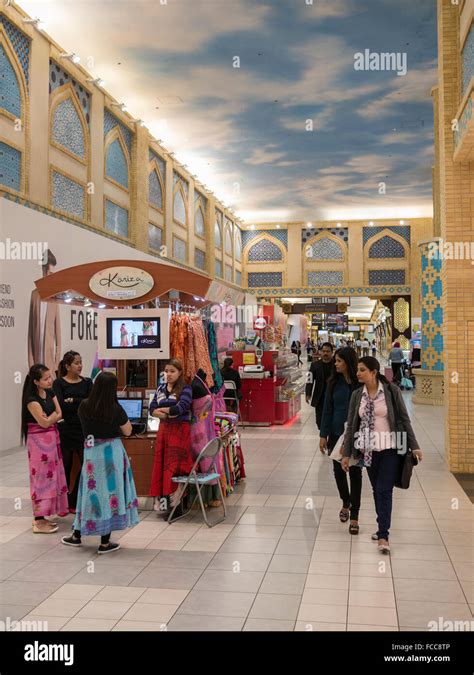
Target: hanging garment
x,y
201,350
212,345
202,425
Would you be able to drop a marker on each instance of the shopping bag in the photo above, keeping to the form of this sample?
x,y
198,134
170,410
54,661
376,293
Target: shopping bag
x,y
336,453
406,383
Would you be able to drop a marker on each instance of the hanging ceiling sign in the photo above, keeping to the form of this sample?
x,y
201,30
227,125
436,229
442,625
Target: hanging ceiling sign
x,y
121,283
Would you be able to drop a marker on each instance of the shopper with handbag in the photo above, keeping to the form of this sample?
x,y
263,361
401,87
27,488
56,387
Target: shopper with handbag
x,y
341,384
379,431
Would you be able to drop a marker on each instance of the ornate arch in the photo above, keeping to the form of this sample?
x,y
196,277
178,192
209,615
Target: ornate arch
x,y
342,247
59,96
179,192
200,210
218,230
389,265
155,171
228,238
258,240
386,232
115,134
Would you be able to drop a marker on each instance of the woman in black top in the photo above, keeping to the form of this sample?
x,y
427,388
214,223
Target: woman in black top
x,y
39,416
71,389
107,499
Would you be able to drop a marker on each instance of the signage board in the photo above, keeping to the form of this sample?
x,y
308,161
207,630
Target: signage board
x,y
121,283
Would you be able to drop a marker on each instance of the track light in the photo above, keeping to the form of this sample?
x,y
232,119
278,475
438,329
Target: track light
x,y
98,81
72,57
37,23
122,106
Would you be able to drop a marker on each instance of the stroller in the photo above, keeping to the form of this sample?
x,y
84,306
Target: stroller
x,y
404,378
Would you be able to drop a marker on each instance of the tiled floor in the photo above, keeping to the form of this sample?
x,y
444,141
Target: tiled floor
x,y
282,561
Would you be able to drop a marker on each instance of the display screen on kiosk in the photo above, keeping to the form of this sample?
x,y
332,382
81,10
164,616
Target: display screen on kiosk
x,y
134,333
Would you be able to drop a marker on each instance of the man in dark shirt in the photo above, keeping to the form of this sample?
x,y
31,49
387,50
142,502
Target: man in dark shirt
x,y
229,373
318,375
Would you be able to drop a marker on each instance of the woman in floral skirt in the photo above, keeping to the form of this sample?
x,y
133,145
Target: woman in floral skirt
x,y
107,498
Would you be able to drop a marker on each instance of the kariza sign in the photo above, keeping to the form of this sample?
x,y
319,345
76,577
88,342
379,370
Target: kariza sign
x,y
121,283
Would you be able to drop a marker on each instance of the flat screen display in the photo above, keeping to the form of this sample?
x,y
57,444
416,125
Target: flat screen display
x,y
133,407
133,333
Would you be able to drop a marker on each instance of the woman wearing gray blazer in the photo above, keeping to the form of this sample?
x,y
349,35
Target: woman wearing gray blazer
x,y
378,431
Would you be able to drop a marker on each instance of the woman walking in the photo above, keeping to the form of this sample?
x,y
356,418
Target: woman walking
x,y
341,384
107,498
173,457
39,416
377,419
71,389
396,360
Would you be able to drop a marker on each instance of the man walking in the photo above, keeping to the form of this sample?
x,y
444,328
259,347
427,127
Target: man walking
x,y
318,375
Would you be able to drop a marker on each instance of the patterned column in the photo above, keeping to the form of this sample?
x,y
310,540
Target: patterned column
x,y
430,377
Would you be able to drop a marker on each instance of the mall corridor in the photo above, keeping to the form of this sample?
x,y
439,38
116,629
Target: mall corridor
x,y
281,562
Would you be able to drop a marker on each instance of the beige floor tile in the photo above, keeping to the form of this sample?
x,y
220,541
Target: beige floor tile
x,y
76,592
146,611
140,626
120,594
370,629
371,598
380,616
329,581
87,625
59,607
380,584
48,623
97,609
323,613
163,596
329,568
324,596
330,556
379,568
309,627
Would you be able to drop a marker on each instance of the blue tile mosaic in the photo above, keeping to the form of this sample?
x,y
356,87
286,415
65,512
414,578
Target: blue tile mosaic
x,y
110,122
228,273
155,237
199,227
264,251
218,268
21,44
155,193
387,247
467,61
179,208
281,235
179,249
59,77
10,97
265,279
339,232
325,278
199,259
402,230
116,164
116,218
324,249
378,277
67,195
10,167
67,128
161,162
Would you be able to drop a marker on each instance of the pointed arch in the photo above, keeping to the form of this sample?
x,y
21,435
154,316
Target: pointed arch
x,y
180,211
263,249
68,130
199,221
155,188
379,238
218,230
238,244
228,243
325,246
116,159
15,70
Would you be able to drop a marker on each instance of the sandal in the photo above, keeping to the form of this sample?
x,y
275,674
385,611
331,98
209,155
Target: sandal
x,y
384,546
48,528
344,515
354,528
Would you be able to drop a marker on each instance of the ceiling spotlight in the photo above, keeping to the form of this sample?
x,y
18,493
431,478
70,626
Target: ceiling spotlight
x,y
140,122
371,223
278,227
252,227
102,306
308,225
87,302
339,225
402,222
37,23
122,106
97,81
72,57
67,298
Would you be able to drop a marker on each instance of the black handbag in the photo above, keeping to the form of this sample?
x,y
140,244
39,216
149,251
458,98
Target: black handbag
x,y
407,462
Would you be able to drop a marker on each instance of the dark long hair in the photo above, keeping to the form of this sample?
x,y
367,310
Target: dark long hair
x,y
67,360
372,364
348,355
181,381
102,402
30,389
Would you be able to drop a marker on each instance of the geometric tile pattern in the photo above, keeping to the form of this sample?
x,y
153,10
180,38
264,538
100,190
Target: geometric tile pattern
x,y
264,251
10,98
467,61
401,315
432,341
228,273
116,163
199,227
270,279
58,77
337,290
402,230
378,277
324,249
339,232
155,193
238,244
325,278
10,167
20,43
281,235
161,163
67,195
386,247
110,122
155,237
67,128
218,268
199,259
179,249
116,218
179,208
177,178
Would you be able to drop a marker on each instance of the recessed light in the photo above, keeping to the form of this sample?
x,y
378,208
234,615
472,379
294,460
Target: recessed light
x,y
402,222
339,225
278,227
308,225
371,223
102,306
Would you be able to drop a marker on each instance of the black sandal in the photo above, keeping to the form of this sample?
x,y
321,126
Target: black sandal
x,y
343,516
354,529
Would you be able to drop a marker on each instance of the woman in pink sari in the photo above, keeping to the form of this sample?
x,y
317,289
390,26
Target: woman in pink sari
x,y
39,416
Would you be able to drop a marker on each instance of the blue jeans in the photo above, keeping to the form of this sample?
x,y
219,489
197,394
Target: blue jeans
x,y
382,475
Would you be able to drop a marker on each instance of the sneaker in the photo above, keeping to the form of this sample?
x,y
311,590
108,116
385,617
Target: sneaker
x,y
44,527
108,548
71,541
375,537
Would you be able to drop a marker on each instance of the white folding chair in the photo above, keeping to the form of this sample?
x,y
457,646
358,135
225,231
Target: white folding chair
x,y
210,450
231,386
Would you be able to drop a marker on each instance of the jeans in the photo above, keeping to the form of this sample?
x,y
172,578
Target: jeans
x,y
350,497
382,475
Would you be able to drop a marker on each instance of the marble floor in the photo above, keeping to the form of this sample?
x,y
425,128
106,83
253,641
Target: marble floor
x,y
282,561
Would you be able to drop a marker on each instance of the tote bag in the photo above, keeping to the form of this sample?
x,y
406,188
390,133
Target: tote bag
x,y
336,452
